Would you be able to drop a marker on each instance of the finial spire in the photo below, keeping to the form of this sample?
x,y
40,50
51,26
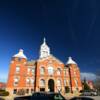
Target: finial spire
x,y
70,61
44,41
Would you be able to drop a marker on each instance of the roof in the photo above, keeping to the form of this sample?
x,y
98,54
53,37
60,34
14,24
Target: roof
x,y
32,62
20,54
50,56
70,61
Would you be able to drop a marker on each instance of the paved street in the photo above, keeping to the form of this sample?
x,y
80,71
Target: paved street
x,y
95,97
67,97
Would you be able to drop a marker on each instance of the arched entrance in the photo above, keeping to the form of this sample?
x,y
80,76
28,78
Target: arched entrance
x,y
51,85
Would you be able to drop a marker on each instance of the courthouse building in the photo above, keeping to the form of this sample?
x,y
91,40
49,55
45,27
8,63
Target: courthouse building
x,y
47,73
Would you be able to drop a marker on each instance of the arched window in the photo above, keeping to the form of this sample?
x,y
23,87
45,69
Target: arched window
x,y
58,71
16,80
50,70
42,82
28,81
42,70
32,81
58,82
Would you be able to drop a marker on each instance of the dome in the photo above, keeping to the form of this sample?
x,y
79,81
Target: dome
x,y
70,61
20,54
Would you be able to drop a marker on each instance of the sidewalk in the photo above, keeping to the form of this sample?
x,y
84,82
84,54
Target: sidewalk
x,y
70,95
11,97
8,97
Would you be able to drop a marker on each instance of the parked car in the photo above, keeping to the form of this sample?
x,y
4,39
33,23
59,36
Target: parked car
x,y
89,93
94,93
42,96
81,98
86,93
23,98
47,96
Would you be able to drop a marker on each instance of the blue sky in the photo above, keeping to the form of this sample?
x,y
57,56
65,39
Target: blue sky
x,y
71,27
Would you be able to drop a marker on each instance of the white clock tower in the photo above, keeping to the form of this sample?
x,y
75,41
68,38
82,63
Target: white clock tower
x,y
44,50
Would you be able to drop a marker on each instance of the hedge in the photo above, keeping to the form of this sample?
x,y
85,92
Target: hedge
x,y
4,93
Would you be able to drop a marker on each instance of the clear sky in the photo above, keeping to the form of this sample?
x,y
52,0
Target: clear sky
x,y
71,28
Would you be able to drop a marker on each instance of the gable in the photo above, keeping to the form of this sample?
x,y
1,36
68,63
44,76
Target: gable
x,y
50,58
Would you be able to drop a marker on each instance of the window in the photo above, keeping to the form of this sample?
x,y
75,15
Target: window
x,y
76,82
27,81
68,82
58,82
16,80
28,70
32,81
42,82
27,91
17,69
67,73
19,59
58,71
32,90
64,72
33,71
42,89
74,73
65,82
42,70
14,91
50,70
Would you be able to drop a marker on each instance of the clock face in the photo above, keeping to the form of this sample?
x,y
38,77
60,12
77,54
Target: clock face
x,y
50,70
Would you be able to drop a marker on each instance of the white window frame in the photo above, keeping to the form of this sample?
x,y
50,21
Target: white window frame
x,y
17,69
50,70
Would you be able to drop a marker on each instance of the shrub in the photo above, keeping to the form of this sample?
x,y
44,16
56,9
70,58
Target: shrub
x,y
4,93
2,90
2,99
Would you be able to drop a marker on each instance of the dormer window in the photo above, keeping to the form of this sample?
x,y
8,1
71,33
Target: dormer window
x,y
19,59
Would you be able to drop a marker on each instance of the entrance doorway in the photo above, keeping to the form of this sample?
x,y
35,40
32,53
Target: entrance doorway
x,y
51,85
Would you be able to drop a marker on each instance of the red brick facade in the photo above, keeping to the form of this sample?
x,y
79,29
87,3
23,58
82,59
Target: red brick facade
x,y
2,85
44,74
